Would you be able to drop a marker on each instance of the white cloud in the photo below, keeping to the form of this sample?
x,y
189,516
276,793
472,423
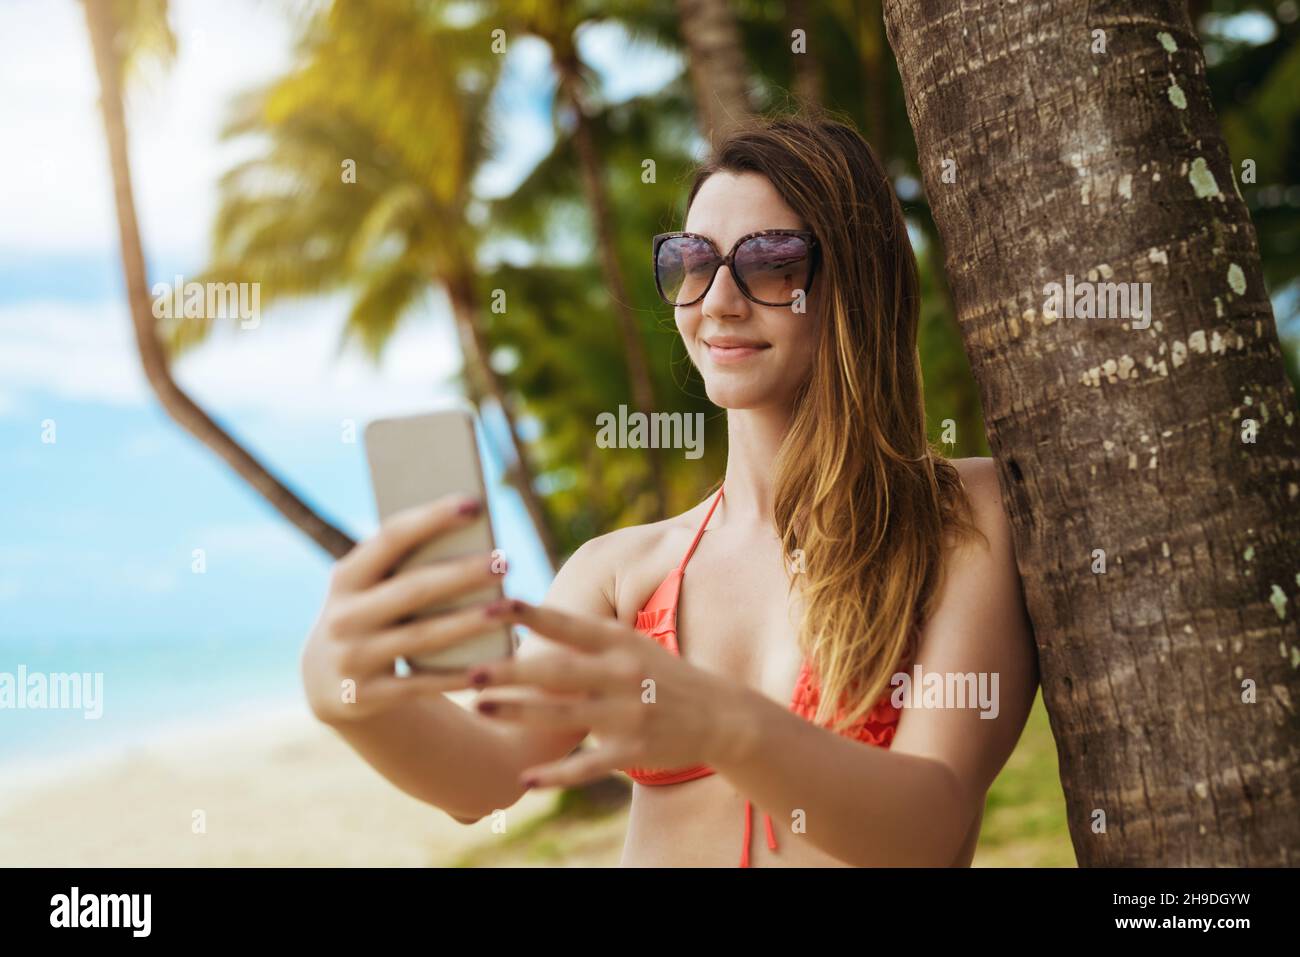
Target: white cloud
x,y
270,542
80,352
287,369
57,187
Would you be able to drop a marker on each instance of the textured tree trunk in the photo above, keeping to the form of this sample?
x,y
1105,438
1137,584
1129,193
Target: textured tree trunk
x,y
182,409
593,183
716,59
1109,166
464,308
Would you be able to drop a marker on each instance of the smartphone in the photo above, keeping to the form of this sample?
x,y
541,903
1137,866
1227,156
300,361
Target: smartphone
x,y
418,458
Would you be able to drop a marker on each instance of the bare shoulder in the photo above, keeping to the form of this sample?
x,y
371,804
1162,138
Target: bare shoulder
x,y
979,477
607,574
982,566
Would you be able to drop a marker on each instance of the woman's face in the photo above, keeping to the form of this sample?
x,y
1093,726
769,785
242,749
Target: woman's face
x,y
750,356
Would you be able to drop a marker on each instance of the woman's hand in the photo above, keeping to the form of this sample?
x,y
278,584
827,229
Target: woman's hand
x,y
646,707
347,661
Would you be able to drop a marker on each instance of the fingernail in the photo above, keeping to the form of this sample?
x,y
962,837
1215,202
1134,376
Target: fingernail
x,y
469,507
530,783
479,676
487,707
500,608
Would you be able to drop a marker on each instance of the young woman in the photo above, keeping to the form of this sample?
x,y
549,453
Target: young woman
x,y
739,657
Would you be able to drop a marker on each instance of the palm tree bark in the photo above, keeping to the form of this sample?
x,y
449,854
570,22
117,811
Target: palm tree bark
x,y
464,308
1111,166
590,167
182,409
718,67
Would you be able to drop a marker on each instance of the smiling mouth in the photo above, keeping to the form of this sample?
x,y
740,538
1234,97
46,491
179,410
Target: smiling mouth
x,y
725,349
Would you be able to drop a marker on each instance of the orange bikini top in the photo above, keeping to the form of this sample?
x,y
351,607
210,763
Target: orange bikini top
x,y
658,620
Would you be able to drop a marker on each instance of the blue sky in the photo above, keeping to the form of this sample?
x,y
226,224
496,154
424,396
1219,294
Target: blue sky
x,y
97,529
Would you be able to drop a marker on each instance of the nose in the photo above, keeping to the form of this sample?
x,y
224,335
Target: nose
x,y
724,299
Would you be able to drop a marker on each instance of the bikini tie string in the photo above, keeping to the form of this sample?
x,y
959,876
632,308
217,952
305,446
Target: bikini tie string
x,y
771,837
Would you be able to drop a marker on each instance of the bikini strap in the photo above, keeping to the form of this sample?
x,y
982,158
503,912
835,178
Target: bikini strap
x,y
698,535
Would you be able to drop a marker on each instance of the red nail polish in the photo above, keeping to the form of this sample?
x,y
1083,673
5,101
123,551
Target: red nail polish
x,y
479,676
498,609
469,507
530,783
487,707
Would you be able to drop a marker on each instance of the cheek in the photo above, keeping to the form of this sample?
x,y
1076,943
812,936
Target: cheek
x,y
802,332
688,323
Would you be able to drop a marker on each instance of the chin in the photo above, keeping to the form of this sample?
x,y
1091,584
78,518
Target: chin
x,y
739,395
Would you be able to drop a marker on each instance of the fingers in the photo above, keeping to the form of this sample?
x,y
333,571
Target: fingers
x,y
554,713
587,765
577,631
391,690
413,591
564,671
424,637
375,557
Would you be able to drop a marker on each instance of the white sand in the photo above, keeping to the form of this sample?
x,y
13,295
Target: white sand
x,y
281,790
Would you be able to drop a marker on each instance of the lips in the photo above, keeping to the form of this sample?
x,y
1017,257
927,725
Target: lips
x,y
728,349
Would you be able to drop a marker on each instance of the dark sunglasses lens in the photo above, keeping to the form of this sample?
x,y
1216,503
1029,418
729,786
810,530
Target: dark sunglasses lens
x,y
774,267
684,267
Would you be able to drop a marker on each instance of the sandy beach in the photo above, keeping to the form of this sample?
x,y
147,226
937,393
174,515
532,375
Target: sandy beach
x,y
279,790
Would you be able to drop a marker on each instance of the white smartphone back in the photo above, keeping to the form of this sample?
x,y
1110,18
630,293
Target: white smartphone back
x,y
418,458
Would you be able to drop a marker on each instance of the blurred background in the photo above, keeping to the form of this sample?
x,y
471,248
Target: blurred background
x,y
422,192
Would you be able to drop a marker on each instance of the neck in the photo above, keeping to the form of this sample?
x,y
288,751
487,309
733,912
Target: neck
x,y
753,438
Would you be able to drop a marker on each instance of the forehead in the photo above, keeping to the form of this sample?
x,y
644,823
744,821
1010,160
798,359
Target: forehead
x,y
731,205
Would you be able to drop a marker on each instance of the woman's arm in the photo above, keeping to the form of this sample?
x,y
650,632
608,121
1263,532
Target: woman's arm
x,y
406,728
914,803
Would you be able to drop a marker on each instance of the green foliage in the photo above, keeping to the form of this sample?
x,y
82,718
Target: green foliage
x,y
404,88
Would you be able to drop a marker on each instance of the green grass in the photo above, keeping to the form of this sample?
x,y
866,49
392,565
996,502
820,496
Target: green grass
x,y
585,827
1024,813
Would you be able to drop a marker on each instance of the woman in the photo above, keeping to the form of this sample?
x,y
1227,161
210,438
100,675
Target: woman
x,y
838,552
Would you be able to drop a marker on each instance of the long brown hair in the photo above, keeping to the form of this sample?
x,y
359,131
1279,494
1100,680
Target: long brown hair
x,y
861,496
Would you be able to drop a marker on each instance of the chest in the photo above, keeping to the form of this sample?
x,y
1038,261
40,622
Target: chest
x,y
738,615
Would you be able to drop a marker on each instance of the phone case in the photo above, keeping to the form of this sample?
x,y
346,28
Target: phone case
x,y
414,460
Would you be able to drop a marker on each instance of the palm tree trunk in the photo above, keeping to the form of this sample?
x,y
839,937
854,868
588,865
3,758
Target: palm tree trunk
x,y
1170,679
967,414
590,166
182,409
716,59
464,307
807,76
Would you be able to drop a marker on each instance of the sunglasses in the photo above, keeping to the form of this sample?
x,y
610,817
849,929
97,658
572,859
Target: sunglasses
x,y
771,267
